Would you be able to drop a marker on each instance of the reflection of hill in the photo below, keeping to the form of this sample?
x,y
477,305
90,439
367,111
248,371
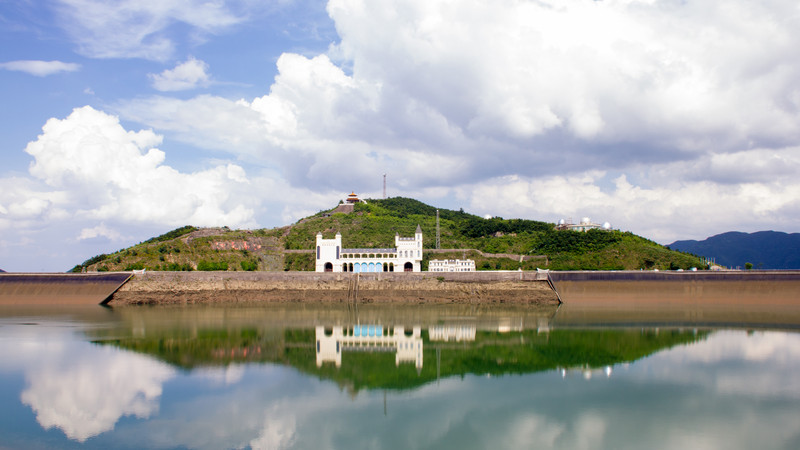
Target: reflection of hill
x,y
492,353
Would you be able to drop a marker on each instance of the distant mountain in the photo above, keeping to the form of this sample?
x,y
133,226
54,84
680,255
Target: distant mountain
x,y
764,249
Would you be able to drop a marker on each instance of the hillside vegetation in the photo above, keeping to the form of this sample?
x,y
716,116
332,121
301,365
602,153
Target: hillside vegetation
x,y
494,244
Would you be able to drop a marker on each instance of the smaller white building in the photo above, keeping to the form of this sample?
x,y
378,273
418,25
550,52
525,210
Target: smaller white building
x,y
449,333
451,265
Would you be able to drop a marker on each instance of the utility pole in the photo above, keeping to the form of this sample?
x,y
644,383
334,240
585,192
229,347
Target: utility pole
x,y
438,243
384,186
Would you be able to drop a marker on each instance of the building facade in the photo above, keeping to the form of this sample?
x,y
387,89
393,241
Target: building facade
x,y
406,256
451,265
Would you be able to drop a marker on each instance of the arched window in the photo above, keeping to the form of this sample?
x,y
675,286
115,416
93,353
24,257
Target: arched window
x,y
344,267
318,252
337,252
408,267
328,267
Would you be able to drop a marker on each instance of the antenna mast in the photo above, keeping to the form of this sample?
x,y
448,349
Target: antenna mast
x,y
384,186
438,243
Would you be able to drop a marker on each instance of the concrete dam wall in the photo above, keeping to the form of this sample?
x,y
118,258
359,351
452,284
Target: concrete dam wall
x,y
59,289
758,288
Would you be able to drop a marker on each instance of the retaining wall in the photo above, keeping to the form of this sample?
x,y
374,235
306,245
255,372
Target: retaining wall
x,y
400,287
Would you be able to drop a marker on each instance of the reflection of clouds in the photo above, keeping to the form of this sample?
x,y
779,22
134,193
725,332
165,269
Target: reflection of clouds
x,y
84,389
704,395
533,431
231,374
589,431
258,409
759,346
762,364
278,431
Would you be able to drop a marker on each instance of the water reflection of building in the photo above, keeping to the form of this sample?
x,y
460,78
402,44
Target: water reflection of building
x,y
587,372
456,333
333,341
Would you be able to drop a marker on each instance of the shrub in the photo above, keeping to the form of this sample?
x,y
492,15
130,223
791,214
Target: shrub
x,y
249,265
212,265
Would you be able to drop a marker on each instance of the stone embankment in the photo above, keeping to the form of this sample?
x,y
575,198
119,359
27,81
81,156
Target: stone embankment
x,y
210,287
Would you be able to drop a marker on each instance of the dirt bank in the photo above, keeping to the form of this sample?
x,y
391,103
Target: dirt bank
x,y
211,287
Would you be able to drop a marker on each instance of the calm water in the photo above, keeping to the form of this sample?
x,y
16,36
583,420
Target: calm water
x,y
422,377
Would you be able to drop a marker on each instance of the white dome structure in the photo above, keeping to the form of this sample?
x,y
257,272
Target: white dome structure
x,y
606,225
586,221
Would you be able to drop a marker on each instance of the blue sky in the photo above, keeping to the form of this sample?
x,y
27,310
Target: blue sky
x,y
122,120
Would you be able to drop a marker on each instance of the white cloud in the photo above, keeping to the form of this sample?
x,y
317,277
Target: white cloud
x,y
674,120
110,173
100,231
190,74
40,68
91,178
135,29
696,104
667,212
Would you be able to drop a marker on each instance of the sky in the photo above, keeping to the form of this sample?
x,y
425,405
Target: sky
x,y
123,120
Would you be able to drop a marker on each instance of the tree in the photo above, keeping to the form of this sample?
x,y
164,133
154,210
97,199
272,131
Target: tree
x,y
748,266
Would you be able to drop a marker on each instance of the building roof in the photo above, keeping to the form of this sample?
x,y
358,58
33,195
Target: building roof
x,y
353,198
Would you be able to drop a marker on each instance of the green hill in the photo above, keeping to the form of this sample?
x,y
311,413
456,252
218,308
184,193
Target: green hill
x,y
494,244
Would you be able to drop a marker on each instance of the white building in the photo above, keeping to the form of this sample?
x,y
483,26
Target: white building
x,y
451,265
585,225
406,344
406,256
